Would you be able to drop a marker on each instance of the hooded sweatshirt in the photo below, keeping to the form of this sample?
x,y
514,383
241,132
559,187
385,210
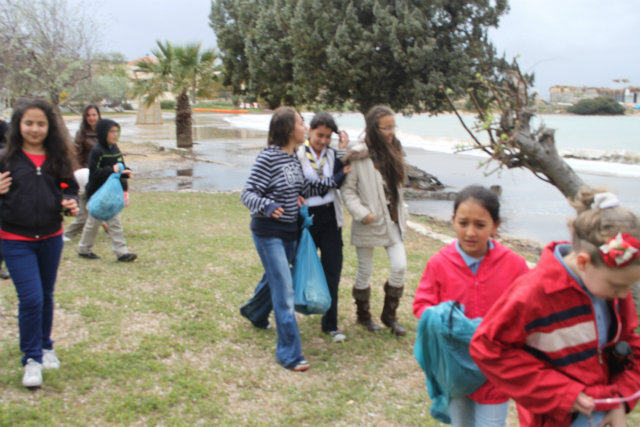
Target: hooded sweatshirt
x,y
448,278
103,157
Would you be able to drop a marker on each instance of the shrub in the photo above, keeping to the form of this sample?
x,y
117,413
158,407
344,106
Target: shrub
x,y
126,105
600,105
168,105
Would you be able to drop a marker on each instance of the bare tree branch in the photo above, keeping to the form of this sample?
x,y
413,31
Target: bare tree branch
x,y
47,47
512,141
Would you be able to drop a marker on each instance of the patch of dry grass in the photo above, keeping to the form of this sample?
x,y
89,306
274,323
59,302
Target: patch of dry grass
x,y
160,342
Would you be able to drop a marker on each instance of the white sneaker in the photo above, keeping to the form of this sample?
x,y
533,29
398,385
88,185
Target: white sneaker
x,y
337,336
32,374
65,239
50,360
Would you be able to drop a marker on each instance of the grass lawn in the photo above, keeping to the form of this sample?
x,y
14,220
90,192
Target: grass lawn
x,y
160,341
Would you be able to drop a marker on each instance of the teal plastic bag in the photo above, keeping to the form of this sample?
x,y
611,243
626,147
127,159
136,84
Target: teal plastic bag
x,y
311,293
108,201
442,350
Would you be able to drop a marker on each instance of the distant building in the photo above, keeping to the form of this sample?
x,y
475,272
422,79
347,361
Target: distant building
x,y
573,94
629,95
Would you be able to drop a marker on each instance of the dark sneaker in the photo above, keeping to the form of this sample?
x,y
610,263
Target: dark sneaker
x,y
127,257
90,255
265,325
4,275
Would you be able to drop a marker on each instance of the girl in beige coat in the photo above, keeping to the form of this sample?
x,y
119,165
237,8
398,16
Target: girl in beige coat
x,y
373,195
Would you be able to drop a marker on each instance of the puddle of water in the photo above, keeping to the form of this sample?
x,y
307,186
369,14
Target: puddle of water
x,y
214,139
206,127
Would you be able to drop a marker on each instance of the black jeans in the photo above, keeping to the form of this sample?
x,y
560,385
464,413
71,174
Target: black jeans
x,y
328,238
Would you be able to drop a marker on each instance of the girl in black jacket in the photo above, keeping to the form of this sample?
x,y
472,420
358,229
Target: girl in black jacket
x,y
36,187
104,159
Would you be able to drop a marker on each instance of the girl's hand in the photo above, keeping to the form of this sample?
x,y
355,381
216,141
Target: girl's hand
x,y
343,140
301,201
116,168
71,206
277,213
583,404
368,219
615,418
128,173
347,169
5,182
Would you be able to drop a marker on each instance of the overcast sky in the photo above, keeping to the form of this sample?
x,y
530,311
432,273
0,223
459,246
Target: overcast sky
x,y
566,42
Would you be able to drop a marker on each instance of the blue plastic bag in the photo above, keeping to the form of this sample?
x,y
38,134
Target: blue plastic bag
x,y
311,293
442,350
108,201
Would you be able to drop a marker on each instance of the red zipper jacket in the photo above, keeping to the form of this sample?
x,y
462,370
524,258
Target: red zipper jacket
x,y
539,345
447,278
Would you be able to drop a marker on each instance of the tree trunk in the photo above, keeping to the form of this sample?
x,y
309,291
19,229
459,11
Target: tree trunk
x,y
543,157
54,97
183,121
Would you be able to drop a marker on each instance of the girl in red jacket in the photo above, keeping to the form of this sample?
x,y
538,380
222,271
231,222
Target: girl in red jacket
x,y
562,339
474,271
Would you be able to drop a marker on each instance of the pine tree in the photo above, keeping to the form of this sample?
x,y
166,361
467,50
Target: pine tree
x,y
269,54
367,52
396,53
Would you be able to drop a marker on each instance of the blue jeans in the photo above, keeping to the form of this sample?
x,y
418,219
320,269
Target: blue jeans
x,y
583,421
467,413
275,292
34,267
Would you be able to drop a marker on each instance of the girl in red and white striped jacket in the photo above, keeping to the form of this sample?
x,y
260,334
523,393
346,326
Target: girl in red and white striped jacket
x,y
561,339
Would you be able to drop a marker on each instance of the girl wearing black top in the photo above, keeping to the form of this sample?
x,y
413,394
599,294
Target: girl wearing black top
x,y
36,187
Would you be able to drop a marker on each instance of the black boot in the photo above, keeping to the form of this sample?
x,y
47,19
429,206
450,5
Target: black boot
x,y
362,297
392,297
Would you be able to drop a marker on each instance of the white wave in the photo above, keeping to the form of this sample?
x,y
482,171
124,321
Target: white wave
x,y
600,162
250,121
605,168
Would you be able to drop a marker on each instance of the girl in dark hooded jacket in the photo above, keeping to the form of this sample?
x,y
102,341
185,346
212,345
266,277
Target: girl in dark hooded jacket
x,y
103,161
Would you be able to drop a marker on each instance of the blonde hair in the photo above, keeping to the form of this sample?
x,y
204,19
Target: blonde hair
x,y
593,227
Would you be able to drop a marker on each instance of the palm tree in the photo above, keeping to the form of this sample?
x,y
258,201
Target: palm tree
x,y
179,69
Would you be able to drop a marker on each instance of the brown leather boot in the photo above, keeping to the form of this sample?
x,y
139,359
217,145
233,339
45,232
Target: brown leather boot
x,y
362,297
392,297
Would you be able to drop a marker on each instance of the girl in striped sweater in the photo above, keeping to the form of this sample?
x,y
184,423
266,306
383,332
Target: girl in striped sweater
x,y
273,193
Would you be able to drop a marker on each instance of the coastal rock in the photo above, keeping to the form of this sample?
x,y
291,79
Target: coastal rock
x,y
421,180
413,193
423,185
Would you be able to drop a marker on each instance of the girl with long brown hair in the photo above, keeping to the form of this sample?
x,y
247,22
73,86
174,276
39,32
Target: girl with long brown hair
x,y
86,137
373,194
36,187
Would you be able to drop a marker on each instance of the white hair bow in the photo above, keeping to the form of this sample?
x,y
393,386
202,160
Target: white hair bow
x,y
605,200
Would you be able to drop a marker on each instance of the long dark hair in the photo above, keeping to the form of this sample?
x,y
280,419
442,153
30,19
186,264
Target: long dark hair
x,y
282,124
60,162
387,158
84,126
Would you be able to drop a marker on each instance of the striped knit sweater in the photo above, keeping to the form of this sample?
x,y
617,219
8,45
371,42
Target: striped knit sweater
x,y
276,180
